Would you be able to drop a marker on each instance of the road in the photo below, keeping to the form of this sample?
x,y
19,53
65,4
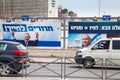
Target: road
x,y
54,69
71,71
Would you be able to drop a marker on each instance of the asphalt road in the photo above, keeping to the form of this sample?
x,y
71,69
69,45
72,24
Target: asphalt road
x,y
54,69
72,71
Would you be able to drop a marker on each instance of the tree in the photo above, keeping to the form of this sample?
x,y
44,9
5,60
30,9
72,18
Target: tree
x,y
71,13
64,11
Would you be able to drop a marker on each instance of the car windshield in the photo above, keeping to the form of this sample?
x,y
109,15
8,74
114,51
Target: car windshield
x,y
21,47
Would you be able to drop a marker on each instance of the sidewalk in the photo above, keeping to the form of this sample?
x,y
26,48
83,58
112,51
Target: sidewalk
x,y
28,78
41,78
52,52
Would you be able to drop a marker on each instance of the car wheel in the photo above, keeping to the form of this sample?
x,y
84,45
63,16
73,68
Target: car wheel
x,y
5,68
88,63
78,59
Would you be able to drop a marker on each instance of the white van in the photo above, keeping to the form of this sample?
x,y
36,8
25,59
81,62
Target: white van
x,y
104,48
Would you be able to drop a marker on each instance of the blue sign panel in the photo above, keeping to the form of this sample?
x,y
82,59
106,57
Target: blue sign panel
x,y
25,18
106,17
94,27
14,27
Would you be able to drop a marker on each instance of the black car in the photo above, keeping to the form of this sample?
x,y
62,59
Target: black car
x,y
13,57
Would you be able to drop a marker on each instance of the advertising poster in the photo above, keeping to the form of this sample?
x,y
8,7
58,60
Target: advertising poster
x,y
92,30
41,33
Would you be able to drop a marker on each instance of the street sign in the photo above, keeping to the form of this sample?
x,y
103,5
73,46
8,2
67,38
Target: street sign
x,y
25,17
106,17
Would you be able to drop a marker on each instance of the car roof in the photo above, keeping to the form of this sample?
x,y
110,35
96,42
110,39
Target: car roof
x,y
110,38
9,42
115,38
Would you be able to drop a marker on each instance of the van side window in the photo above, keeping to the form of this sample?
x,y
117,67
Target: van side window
x,y
102,45
116,44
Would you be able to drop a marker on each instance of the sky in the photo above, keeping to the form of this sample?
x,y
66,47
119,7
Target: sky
x,y
91,8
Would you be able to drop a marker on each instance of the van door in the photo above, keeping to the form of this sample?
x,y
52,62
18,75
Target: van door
x,y
115,52
101,50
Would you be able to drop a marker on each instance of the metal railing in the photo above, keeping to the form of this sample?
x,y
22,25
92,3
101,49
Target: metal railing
x,y
10,67
93,74
112,69
47,64
64,68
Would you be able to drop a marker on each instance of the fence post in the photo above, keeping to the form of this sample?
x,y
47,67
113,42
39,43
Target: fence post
x,y
64,34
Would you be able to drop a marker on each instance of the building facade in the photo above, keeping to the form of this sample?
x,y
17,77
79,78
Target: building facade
x,y
33,8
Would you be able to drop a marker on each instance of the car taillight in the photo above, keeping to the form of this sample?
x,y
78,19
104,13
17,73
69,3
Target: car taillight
x,y
19,52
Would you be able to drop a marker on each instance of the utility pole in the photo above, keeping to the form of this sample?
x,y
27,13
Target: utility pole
x,y
4,8
99,7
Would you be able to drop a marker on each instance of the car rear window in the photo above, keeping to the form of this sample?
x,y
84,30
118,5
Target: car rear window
x,y
3,46
21,47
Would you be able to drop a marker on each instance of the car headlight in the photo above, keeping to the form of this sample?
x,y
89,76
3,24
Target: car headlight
x,y
78,53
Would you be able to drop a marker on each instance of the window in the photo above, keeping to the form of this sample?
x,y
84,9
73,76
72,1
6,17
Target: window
x,y
3,46
116,44
102,45
21,47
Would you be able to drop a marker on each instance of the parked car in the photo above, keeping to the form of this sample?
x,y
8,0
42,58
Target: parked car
x,y
13,57
104,48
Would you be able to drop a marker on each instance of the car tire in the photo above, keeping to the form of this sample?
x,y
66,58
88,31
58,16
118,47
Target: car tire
x,y
88,63
6,68
78,59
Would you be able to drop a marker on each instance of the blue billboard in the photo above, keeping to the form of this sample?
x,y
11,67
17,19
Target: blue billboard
x,y
94,27
41,34
95,31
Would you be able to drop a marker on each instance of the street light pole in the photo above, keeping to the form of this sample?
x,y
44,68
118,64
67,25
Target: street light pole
x,y
99,7
4,8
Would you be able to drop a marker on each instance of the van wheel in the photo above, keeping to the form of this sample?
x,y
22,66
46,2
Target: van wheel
x,y
88,63
5,69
